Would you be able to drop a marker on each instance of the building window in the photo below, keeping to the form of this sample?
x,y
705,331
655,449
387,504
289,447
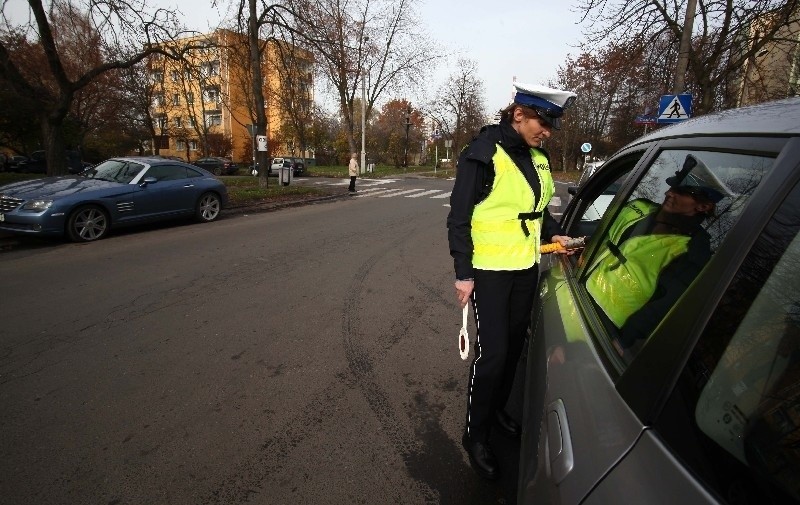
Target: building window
x,y
161,122
192,122
180,145
209,69
157,76
211,95
178,122
162,141
190,98
193,145
175,76
158,100
176,99
213,119
188,75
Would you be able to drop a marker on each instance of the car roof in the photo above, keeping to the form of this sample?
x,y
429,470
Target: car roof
x,y
151,160
780,117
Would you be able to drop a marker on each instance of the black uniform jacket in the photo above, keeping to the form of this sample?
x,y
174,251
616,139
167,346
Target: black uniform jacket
x,y
474,179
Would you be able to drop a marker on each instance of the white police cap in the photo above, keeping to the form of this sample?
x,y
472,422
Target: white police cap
x,y
548,102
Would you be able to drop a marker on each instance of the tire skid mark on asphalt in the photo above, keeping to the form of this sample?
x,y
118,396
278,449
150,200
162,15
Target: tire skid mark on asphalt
x,y
452,483
247,480
361,363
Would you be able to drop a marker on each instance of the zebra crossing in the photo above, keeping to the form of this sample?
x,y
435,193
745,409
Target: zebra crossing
x,y
378,188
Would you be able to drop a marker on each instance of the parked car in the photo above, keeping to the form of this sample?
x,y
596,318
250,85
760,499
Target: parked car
x,y
702,406
115,193
277,164
14,161
298,166
218,166
37,163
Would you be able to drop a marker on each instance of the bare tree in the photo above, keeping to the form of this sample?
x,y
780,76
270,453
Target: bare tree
x,y
725,36
459,110
379,41
127,35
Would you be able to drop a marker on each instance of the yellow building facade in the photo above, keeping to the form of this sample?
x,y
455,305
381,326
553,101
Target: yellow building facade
x,y
203,106
773,72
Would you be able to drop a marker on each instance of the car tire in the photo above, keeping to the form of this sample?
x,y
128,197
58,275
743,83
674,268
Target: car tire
x,y
217,171
208,207
87,224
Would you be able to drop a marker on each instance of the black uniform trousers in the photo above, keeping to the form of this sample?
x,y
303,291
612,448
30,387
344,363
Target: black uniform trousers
x,y
502,303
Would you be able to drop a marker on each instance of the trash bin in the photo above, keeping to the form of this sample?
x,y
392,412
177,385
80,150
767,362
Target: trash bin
x,y
285,175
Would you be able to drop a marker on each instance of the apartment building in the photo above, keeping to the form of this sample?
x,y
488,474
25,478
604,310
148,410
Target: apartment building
x,y
204,106
774,71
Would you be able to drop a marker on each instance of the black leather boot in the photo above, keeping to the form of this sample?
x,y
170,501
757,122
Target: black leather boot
x,y
507,424
481,457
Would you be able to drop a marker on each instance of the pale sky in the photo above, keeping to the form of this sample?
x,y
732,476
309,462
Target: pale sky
x,y
526,39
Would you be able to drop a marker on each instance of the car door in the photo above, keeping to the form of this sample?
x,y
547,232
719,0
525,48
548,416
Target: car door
x,y
581,387
172,194
718,384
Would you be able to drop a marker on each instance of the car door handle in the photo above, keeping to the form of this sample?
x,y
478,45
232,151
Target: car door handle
x,y
559,442
188,185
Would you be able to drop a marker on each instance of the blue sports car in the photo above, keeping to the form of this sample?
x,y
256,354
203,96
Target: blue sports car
x,y
114,193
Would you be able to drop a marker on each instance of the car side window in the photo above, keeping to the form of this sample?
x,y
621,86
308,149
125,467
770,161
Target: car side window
x,y
591,208
662,237
740,390
191,173
166,172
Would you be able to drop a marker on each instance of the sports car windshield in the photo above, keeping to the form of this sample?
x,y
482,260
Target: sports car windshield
x,y
120,171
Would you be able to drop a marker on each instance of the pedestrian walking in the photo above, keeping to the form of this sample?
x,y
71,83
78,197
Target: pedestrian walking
x,y
498,216
353,170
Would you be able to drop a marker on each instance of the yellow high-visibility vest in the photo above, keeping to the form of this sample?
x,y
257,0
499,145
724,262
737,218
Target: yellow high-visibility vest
x,y
505,231
621,287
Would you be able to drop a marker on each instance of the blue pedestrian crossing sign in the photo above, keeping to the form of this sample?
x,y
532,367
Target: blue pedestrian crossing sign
x,y
674,108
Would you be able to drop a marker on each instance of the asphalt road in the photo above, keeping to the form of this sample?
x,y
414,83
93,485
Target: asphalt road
x,y
306,355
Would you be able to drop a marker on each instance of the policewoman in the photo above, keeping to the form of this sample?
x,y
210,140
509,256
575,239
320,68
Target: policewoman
x,y
498,218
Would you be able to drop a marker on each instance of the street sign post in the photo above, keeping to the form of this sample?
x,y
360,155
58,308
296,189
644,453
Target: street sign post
x,y
586,147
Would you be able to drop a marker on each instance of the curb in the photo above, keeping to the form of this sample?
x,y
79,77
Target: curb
x,y
269,206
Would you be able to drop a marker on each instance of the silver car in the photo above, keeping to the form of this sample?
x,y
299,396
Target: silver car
x,y
693,395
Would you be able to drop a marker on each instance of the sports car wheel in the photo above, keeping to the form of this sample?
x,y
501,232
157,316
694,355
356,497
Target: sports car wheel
x,y
87,224
208,207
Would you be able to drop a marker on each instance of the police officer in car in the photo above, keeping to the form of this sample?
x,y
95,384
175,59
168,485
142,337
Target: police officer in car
x,y
498,217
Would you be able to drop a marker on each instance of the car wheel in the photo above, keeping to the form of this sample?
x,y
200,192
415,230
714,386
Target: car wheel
x,y
217,171
87,224
208,207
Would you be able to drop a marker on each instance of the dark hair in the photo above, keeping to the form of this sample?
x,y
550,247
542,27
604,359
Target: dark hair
x,y
507,114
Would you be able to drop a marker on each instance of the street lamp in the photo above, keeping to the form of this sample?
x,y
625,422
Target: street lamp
x,y
408,125
363,116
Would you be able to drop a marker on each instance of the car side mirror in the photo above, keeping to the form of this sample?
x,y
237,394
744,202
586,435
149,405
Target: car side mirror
x,y
148,180
572,190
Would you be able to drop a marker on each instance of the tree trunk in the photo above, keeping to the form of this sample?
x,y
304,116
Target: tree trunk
x,y
262,159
